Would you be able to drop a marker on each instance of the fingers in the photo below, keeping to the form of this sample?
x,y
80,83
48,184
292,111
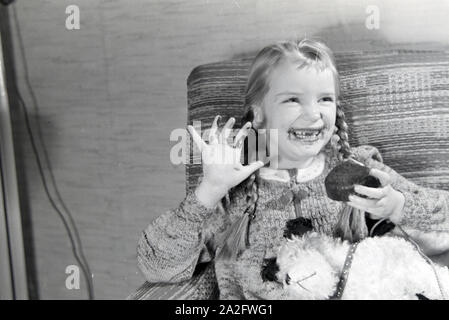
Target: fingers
x,y
241,135
226,131
364,204
373,216
376,208
374,212
197,138
383,177
375,193
213,130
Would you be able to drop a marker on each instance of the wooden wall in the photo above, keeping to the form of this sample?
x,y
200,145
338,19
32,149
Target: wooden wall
x,y
110,93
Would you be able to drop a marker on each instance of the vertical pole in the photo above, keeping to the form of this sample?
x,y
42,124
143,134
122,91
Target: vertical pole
x,y
6,289
11,213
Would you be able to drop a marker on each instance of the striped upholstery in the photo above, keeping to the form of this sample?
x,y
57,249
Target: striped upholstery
x,y
397,101
202,286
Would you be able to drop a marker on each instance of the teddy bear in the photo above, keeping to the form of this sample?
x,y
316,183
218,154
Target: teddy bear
x,y
309,266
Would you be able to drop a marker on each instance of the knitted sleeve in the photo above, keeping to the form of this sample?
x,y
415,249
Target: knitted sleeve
x,y
426,211
172,245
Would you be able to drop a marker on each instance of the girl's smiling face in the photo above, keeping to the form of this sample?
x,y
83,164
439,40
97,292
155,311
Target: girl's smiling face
x,y
301,105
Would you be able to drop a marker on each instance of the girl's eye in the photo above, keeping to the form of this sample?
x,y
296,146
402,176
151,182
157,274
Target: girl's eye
x,y
292,99
327,99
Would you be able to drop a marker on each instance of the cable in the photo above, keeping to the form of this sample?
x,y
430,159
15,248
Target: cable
x,y
428,260
69,223
375,226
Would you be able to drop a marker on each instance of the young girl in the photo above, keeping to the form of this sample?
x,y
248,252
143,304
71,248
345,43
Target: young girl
x,y
238,213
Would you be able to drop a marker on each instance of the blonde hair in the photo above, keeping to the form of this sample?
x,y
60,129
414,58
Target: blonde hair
x,y
306,53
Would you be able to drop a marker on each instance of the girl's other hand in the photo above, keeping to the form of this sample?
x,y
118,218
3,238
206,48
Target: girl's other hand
x,y
382,202
222,168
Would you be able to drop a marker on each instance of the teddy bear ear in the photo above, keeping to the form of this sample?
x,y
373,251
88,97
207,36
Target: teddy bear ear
x,y
287,279
269,270
297,227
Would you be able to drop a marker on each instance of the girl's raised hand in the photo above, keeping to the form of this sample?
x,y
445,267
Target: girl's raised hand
x,y
222,169
382,202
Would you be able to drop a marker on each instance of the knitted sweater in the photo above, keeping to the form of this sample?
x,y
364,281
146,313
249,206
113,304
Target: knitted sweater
x,y
174,243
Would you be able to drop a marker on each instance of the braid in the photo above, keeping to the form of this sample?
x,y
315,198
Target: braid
x,y
251,185
252,195
342,126
351,225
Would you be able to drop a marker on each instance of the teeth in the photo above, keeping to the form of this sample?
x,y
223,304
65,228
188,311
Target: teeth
x,y
304,134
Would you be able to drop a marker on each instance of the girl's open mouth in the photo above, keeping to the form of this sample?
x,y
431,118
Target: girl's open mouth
x,y
305,134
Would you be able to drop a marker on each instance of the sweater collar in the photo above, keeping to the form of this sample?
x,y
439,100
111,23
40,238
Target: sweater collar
x,y
302,175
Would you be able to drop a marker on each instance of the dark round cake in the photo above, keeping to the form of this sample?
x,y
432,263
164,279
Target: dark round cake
x,y
341,180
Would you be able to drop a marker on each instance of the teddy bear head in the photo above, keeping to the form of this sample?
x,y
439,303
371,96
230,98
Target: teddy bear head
x,y
299,264
303,270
